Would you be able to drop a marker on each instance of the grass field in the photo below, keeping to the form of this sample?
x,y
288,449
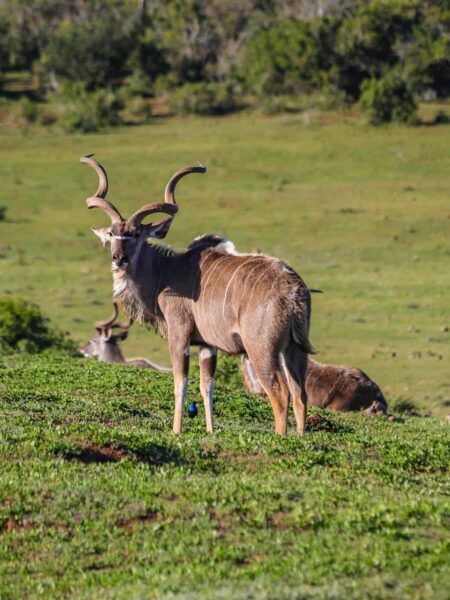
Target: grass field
x,y
99,500
359,212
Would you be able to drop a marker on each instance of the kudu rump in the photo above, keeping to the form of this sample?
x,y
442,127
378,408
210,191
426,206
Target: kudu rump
x,y
212,297
104,346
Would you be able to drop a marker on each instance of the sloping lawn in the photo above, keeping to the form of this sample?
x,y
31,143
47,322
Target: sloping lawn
x,y
99,500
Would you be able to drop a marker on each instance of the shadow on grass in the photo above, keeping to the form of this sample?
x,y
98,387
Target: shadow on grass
x,y
87,453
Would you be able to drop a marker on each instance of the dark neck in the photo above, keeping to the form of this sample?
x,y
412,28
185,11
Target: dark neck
x,y
138,290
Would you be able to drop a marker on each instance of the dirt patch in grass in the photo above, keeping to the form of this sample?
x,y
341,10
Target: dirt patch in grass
x,y
91,453
318,422
149,516
13,524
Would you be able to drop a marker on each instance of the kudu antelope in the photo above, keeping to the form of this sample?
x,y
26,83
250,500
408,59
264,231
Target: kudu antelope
x,y
337,388
212,297
104,346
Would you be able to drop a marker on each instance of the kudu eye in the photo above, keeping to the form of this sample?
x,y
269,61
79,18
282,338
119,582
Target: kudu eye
x,y
110,234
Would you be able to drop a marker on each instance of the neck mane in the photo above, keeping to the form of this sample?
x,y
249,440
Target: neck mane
x,y
137,291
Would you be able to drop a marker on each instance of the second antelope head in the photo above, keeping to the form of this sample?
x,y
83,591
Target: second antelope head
x,y
104,345
127,236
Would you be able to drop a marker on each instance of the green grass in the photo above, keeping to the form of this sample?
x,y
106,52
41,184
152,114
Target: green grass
x,y
359,212
100,500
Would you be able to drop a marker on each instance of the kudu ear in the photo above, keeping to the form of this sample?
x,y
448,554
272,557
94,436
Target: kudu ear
x,y
157,230
102,233
122,335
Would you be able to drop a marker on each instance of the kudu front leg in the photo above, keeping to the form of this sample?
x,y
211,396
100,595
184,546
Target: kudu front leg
x,y
179,353
208,362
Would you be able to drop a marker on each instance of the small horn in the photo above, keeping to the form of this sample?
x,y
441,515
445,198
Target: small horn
x,y
98,200
108,322
169,194
149,209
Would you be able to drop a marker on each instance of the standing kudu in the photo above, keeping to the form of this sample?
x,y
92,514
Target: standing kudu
x,y
104,346
212,297
337,388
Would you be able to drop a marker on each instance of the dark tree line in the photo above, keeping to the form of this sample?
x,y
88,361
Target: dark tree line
x,y
210,55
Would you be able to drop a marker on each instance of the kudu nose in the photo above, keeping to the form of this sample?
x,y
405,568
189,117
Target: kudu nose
x,y
119,258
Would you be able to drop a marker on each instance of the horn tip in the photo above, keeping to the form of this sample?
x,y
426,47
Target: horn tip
x,y
83,158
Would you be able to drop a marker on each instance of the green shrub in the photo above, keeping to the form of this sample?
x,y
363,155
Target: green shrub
x,y
23,328
388,99
29,110
289,58
93,50
205,99
137,110
92,111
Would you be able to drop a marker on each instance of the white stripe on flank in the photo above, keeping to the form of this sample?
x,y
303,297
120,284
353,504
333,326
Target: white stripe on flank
x,y
211,270
229,283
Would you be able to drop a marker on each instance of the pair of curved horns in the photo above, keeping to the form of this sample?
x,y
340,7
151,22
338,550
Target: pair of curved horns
x,y
169,206
109,323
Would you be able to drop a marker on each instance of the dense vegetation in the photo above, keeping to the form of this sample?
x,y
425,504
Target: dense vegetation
x,y
99,500
24,328
214,57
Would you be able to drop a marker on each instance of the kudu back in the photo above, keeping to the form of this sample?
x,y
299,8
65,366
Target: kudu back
x,y
104,346
212,297
337,388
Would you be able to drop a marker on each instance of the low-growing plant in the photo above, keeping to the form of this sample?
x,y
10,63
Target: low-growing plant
x,y
205,99
388,99
29,110
91,111
23,328
137,110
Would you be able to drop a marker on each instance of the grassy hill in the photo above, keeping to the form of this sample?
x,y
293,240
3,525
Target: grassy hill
x,y
359,212
100,500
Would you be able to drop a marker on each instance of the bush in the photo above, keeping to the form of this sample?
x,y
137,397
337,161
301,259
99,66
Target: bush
x,y
29,110
288,58
92,111
137,110
205,99
388,99
94,51
23,328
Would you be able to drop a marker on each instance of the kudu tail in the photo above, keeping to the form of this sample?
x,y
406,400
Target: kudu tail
x,y
300,321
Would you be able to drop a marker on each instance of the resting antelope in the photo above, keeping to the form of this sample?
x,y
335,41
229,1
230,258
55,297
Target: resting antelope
x,y
212,297
338,388
104,346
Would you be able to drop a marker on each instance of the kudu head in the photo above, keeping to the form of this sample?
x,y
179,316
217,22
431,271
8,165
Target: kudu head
x,y
127,236
104,345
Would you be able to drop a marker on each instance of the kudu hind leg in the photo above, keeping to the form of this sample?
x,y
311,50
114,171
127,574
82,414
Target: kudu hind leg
x,y
295,364
208,362
180,366
272,378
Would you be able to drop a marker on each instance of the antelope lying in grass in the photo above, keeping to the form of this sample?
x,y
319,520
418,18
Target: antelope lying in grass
x,y
104,346
212,297
340,388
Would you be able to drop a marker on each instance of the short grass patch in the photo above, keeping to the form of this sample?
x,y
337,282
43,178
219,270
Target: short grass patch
x,y
100,500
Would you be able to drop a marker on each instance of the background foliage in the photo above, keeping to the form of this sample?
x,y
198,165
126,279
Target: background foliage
x,y
216,56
